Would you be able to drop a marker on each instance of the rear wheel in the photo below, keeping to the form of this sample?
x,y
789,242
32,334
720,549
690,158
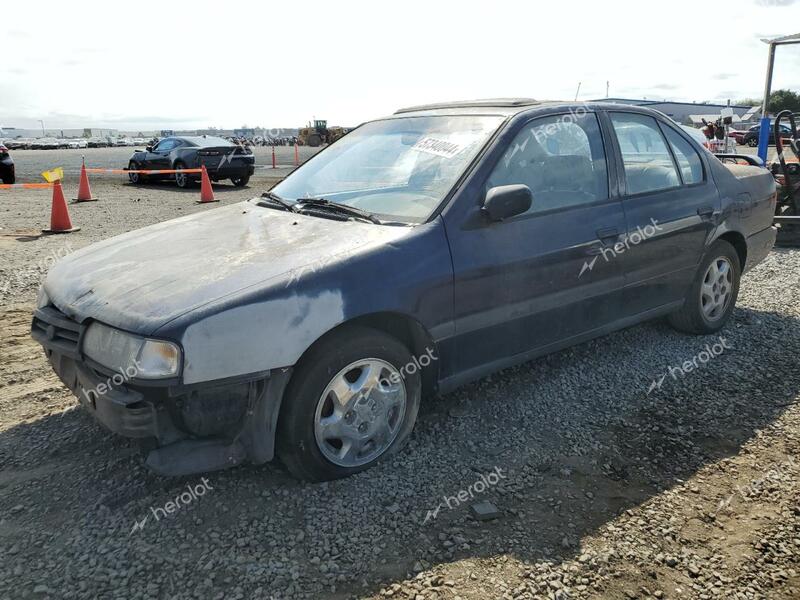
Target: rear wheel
x,y
181,179
712,297
752,142
352,401
9,178
240,181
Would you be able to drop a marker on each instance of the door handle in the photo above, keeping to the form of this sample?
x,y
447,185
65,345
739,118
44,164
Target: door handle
x,y
705,211
608,235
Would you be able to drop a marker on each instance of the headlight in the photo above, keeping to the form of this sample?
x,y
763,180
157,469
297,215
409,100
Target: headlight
x,y
42,299
138,357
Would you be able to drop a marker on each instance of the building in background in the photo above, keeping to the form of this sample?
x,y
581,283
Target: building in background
x,y
691,113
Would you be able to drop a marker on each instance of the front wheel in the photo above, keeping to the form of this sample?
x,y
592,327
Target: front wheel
x,y
135,178
352,401
240,181
712,296
752,142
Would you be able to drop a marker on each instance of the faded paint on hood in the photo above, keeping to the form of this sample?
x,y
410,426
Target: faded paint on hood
x,y
145,278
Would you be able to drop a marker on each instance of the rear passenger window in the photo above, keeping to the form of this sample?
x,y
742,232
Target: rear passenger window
x,y
647,160
688,160
560,158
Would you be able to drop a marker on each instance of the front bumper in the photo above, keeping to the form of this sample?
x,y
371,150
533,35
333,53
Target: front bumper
x,y
193,429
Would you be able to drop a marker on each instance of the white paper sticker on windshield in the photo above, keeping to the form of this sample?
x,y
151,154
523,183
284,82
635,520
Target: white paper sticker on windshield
x,y
443,148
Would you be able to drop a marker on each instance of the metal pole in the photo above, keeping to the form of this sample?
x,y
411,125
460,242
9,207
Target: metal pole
x,y
763,130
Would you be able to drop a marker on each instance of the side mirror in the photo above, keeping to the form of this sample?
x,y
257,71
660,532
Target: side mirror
x,y
149,148
506,201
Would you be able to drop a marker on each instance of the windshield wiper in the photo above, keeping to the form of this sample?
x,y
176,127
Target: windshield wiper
x,y
275,200
342,209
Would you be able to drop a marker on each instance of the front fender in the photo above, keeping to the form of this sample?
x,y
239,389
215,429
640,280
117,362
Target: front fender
x,y
272,327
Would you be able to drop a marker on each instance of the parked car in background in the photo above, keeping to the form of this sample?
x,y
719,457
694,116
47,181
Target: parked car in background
x,y
7,170
18,144
417,253
222,159
97,143
77,143
750,137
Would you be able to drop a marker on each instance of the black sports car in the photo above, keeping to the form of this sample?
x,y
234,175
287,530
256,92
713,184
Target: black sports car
x,y
6,166
222,159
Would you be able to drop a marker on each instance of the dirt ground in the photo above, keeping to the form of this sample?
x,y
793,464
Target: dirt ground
x,y
606,486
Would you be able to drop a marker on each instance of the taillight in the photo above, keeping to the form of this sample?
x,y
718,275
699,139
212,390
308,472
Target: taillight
x,y
3,149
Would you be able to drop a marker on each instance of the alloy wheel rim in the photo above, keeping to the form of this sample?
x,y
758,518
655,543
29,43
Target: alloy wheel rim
x,y
716,289
360,412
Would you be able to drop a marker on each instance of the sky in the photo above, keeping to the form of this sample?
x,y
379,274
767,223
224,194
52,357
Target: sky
x,y
279,64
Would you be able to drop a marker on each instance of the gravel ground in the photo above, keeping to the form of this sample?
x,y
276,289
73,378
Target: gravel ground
x,y
606,485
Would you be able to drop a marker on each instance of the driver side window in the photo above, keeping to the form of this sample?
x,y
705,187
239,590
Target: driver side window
x,y
560,158
165,145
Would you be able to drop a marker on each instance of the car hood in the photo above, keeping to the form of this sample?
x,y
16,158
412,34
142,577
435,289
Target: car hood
x,y
143,279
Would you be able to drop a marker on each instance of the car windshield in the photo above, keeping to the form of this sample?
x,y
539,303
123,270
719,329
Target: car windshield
x,y
396,169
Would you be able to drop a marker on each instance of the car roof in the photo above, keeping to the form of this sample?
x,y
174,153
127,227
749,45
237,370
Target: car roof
x,y
510,105
514,106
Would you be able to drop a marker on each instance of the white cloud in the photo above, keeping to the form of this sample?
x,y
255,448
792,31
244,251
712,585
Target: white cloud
x,y
280,64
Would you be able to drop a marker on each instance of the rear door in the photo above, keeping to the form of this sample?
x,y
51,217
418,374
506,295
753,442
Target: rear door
x,y
540,278
670,206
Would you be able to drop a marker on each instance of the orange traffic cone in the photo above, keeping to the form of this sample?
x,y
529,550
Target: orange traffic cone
x,y
59,215
206,191
84,191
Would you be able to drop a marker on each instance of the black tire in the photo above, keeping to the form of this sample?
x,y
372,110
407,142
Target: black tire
x,y
182,180
314,140
296,442
752,142
241,181
10,178
135,178
691,317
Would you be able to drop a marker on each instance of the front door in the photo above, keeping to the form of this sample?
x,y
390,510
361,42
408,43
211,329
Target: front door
x,y
159,157
546,276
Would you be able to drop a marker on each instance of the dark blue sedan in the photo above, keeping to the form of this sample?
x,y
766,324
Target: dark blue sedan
x,y
419,252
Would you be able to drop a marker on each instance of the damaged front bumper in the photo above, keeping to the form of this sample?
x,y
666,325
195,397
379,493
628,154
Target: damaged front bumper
x,y
191,429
